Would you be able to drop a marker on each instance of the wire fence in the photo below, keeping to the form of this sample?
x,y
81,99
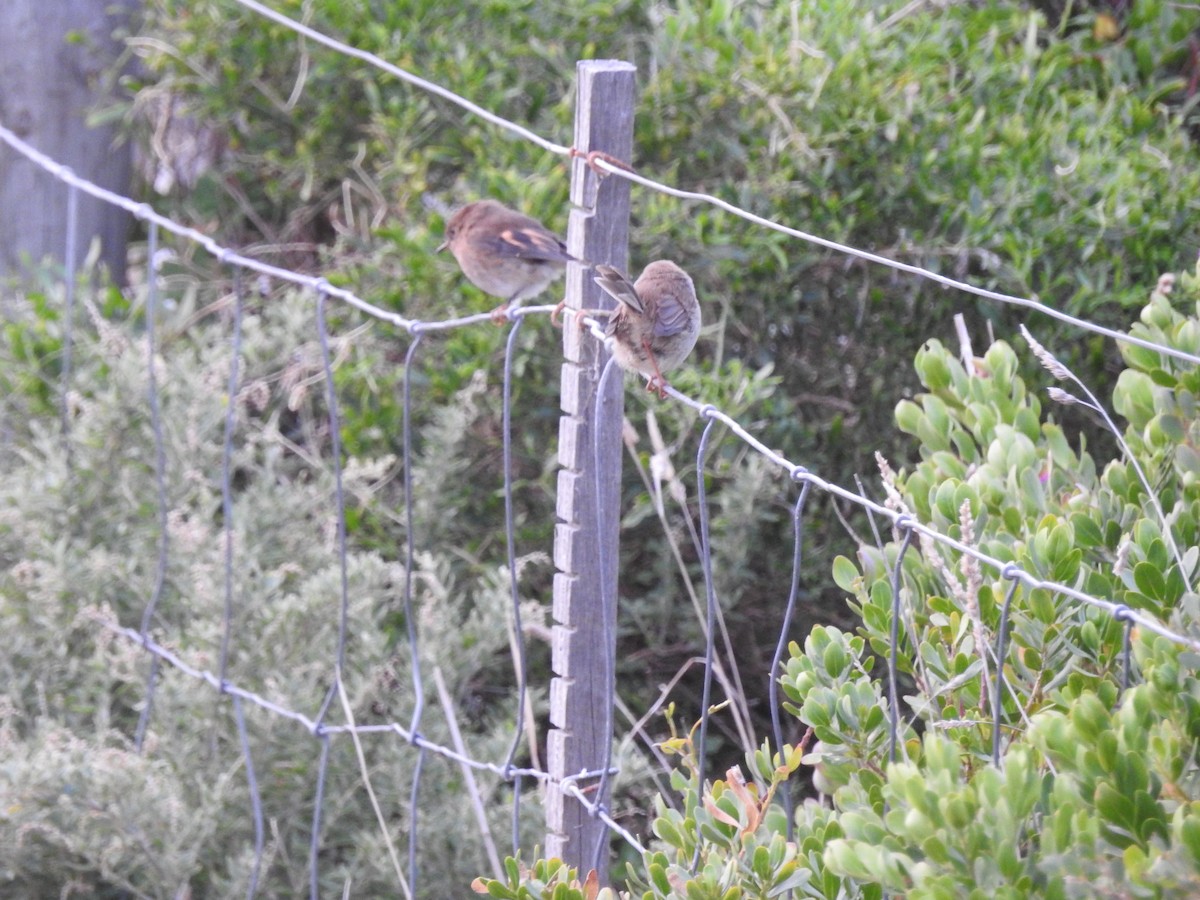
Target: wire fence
x,y
318,725
624,171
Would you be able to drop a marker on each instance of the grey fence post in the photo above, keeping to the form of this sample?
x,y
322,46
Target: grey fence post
x,y
582,638
47,85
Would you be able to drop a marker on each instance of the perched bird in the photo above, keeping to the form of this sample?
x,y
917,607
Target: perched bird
x,y
656,322
504,253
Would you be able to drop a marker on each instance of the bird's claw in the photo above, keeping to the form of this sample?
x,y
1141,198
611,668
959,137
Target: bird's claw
x,y
592,156
657,386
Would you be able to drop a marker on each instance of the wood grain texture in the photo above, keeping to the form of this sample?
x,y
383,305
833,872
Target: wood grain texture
x,y
588,482
47,89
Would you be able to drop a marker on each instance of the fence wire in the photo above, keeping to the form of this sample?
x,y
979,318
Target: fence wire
x,y
624,171
317,724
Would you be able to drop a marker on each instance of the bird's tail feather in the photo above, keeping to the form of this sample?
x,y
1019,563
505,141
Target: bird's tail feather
x,y
616,285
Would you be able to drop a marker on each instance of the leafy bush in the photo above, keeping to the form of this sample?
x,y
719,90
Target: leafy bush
x,y
979,141
976,140
84,808
1097,789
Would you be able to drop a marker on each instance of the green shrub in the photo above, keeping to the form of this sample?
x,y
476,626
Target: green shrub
x,y
1097,790
82,809
975,140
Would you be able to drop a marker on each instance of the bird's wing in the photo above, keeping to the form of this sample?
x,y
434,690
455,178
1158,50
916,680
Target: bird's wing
x,y
672,316
527,242
618,286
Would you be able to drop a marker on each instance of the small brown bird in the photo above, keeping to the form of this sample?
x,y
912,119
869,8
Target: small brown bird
x,y
656,322
504,253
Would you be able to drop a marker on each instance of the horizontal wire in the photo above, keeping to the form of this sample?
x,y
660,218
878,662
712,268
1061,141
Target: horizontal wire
x,y
508,773
801,475
403,75
571,789
944,280
145,212
679,193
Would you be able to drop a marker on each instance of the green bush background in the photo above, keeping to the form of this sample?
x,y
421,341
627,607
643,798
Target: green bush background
x,y
987,141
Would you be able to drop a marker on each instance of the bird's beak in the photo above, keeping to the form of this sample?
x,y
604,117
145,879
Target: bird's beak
x,y
442,246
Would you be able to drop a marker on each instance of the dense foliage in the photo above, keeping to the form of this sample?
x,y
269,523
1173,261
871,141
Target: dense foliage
x,y
80,539
1095,791
979,140
1048,157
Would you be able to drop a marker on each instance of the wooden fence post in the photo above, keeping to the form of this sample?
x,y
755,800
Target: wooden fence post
x,y
48,85
584,626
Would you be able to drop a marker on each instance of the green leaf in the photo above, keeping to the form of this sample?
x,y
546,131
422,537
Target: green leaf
x,y
1089,716
1134,397
1189,831
668,833
1114,806
496,889
845,574
1149,580
908,417
1087,532
658,875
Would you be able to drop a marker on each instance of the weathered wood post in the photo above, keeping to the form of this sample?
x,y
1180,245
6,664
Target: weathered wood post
x,y
584,624
47,86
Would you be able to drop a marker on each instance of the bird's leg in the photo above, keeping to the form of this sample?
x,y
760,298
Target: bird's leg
x,y
656,382
592,156
583,314
500,313
577,314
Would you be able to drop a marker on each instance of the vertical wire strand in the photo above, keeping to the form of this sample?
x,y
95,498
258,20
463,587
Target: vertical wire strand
x,y
156,427
68,335
1001,653
510,535
344,600
255,798
226,465
893,651
160,483
608,602
902,524
409,548
780,646
516,817
413,798
314,845
510,542
227,514
139,736
1121,615
409,613
335,439
710,593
